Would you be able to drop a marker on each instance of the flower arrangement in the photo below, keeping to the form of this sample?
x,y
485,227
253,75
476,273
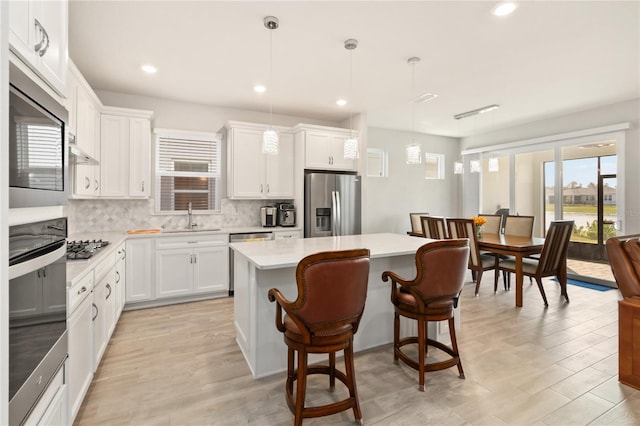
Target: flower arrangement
x,y
479,220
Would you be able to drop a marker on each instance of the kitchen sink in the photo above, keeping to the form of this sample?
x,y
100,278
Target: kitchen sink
x,y
173,231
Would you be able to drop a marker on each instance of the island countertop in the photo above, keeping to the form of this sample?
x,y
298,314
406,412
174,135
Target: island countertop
x,y
285,253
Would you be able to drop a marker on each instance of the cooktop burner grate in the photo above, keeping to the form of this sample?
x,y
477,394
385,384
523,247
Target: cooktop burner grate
x,y
80,250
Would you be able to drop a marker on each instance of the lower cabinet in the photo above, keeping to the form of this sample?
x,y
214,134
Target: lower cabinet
x,y
188,265
139,270
80,342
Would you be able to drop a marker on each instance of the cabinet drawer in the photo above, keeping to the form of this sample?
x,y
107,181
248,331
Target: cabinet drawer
x,y
192,241
286,235
81,289
105,265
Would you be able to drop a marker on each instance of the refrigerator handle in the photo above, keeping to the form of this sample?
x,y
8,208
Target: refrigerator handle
x,y
333,213
338,215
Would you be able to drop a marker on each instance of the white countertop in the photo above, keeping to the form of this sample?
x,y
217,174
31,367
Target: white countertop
x,y
77,268
287,253
217,231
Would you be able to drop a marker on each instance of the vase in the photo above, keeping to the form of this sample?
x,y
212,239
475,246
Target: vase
x,y
478,231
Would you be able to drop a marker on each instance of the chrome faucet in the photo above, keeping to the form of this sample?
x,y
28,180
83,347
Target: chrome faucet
x,y
190,225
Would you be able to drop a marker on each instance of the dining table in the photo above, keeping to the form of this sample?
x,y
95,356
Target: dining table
x,y
518,247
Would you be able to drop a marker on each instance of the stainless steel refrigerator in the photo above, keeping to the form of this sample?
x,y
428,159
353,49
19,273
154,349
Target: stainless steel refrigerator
x,y
331,204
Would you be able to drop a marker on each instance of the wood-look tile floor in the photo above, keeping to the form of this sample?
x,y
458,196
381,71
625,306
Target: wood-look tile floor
x,y
180,365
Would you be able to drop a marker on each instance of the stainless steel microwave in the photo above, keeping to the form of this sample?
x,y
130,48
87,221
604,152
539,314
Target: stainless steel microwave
x,y
37,139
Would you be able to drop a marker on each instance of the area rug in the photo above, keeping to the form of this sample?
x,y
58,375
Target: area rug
x,y
592,286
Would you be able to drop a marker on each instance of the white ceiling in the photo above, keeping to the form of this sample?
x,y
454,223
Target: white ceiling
x,y
546,59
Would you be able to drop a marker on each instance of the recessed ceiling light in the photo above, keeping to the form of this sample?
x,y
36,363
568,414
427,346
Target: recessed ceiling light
x,y
259,88
504,8
341,102
149,69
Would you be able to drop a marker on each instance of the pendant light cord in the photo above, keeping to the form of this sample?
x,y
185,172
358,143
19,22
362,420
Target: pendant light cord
x,y
351,92
270,78
413,104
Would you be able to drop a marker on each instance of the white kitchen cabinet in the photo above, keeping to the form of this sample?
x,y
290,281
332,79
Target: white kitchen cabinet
x,y
324,147
120,278
252,174
125,160
191,265
38,35
84,118
139,270
80,342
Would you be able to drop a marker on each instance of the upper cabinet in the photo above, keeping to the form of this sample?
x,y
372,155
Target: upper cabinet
x,y
84,125
125,153
324,147
39,36
252,174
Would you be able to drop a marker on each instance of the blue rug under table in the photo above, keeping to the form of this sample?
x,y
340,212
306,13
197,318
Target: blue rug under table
x,y
591,286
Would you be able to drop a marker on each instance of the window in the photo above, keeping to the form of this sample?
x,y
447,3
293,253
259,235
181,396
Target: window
x,y
434,166
187,171
377,163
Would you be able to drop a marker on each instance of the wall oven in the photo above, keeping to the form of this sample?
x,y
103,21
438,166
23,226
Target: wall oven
x,y
37,311
37,155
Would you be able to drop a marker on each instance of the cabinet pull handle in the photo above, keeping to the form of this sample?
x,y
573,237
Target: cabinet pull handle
x,y
96,184
109,294
195,258
124,253
41,47
142,186
261,188
87,182
267,188
96,315
82,290
117,277
44,272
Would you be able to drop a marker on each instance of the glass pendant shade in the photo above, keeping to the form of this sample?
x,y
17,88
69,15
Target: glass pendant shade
x,y
474,166
458,168
414,155
270,142
351,148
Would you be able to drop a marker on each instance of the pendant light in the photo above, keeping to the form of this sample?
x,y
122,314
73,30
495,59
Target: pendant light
x,y
270,137
351,151
414,154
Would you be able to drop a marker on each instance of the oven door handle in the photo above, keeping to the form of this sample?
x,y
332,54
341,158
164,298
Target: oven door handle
x,y
32,265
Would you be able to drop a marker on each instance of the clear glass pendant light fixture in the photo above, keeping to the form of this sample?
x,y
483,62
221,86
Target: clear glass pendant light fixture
x,y
351,151
414,151
270,137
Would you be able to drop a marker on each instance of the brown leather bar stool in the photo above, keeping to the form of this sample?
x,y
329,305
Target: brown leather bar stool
x,y
332,289
431,296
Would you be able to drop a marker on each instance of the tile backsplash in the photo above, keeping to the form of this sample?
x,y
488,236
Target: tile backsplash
x,y
101,215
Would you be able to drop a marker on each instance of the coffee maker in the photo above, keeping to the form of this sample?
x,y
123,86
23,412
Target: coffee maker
x,y
268,216
286,215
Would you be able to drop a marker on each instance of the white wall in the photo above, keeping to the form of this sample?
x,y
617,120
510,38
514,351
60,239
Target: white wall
x,y
621,112
390,200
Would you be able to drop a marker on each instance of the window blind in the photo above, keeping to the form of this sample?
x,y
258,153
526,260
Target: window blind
x,y
188,170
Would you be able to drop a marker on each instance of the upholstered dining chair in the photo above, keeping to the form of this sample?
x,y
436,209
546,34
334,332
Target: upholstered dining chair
x,y
431,296
478,262
519,226
624,257
434,227
332,289
493,224
552,260
416,224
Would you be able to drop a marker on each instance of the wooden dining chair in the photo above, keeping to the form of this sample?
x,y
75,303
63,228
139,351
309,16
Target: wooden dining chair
x,y
416,224
493,224
434,227
552,261
332,289
431,296
519,226
478,262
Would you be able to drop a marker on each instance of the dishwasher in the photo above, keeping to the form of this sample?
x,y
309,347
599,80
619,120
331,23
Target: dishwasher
x,y
243,238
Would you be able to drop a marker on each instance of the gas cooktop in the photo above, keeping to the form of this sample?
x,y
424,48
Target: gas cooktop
x,y
81,250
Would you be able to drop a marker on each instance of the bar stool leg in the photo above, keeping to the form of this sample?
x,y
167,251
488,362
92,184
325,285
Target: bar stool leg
x,y
396,336
332,371
454,345
302,385
422,342
351,381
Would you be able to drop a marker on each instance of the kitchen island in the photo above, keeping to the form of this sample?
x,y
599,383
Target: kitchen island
x,y
260,266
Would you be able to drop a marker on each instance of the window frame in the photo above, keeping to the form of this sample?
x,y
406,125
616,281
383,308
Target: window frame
x,y
218,181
